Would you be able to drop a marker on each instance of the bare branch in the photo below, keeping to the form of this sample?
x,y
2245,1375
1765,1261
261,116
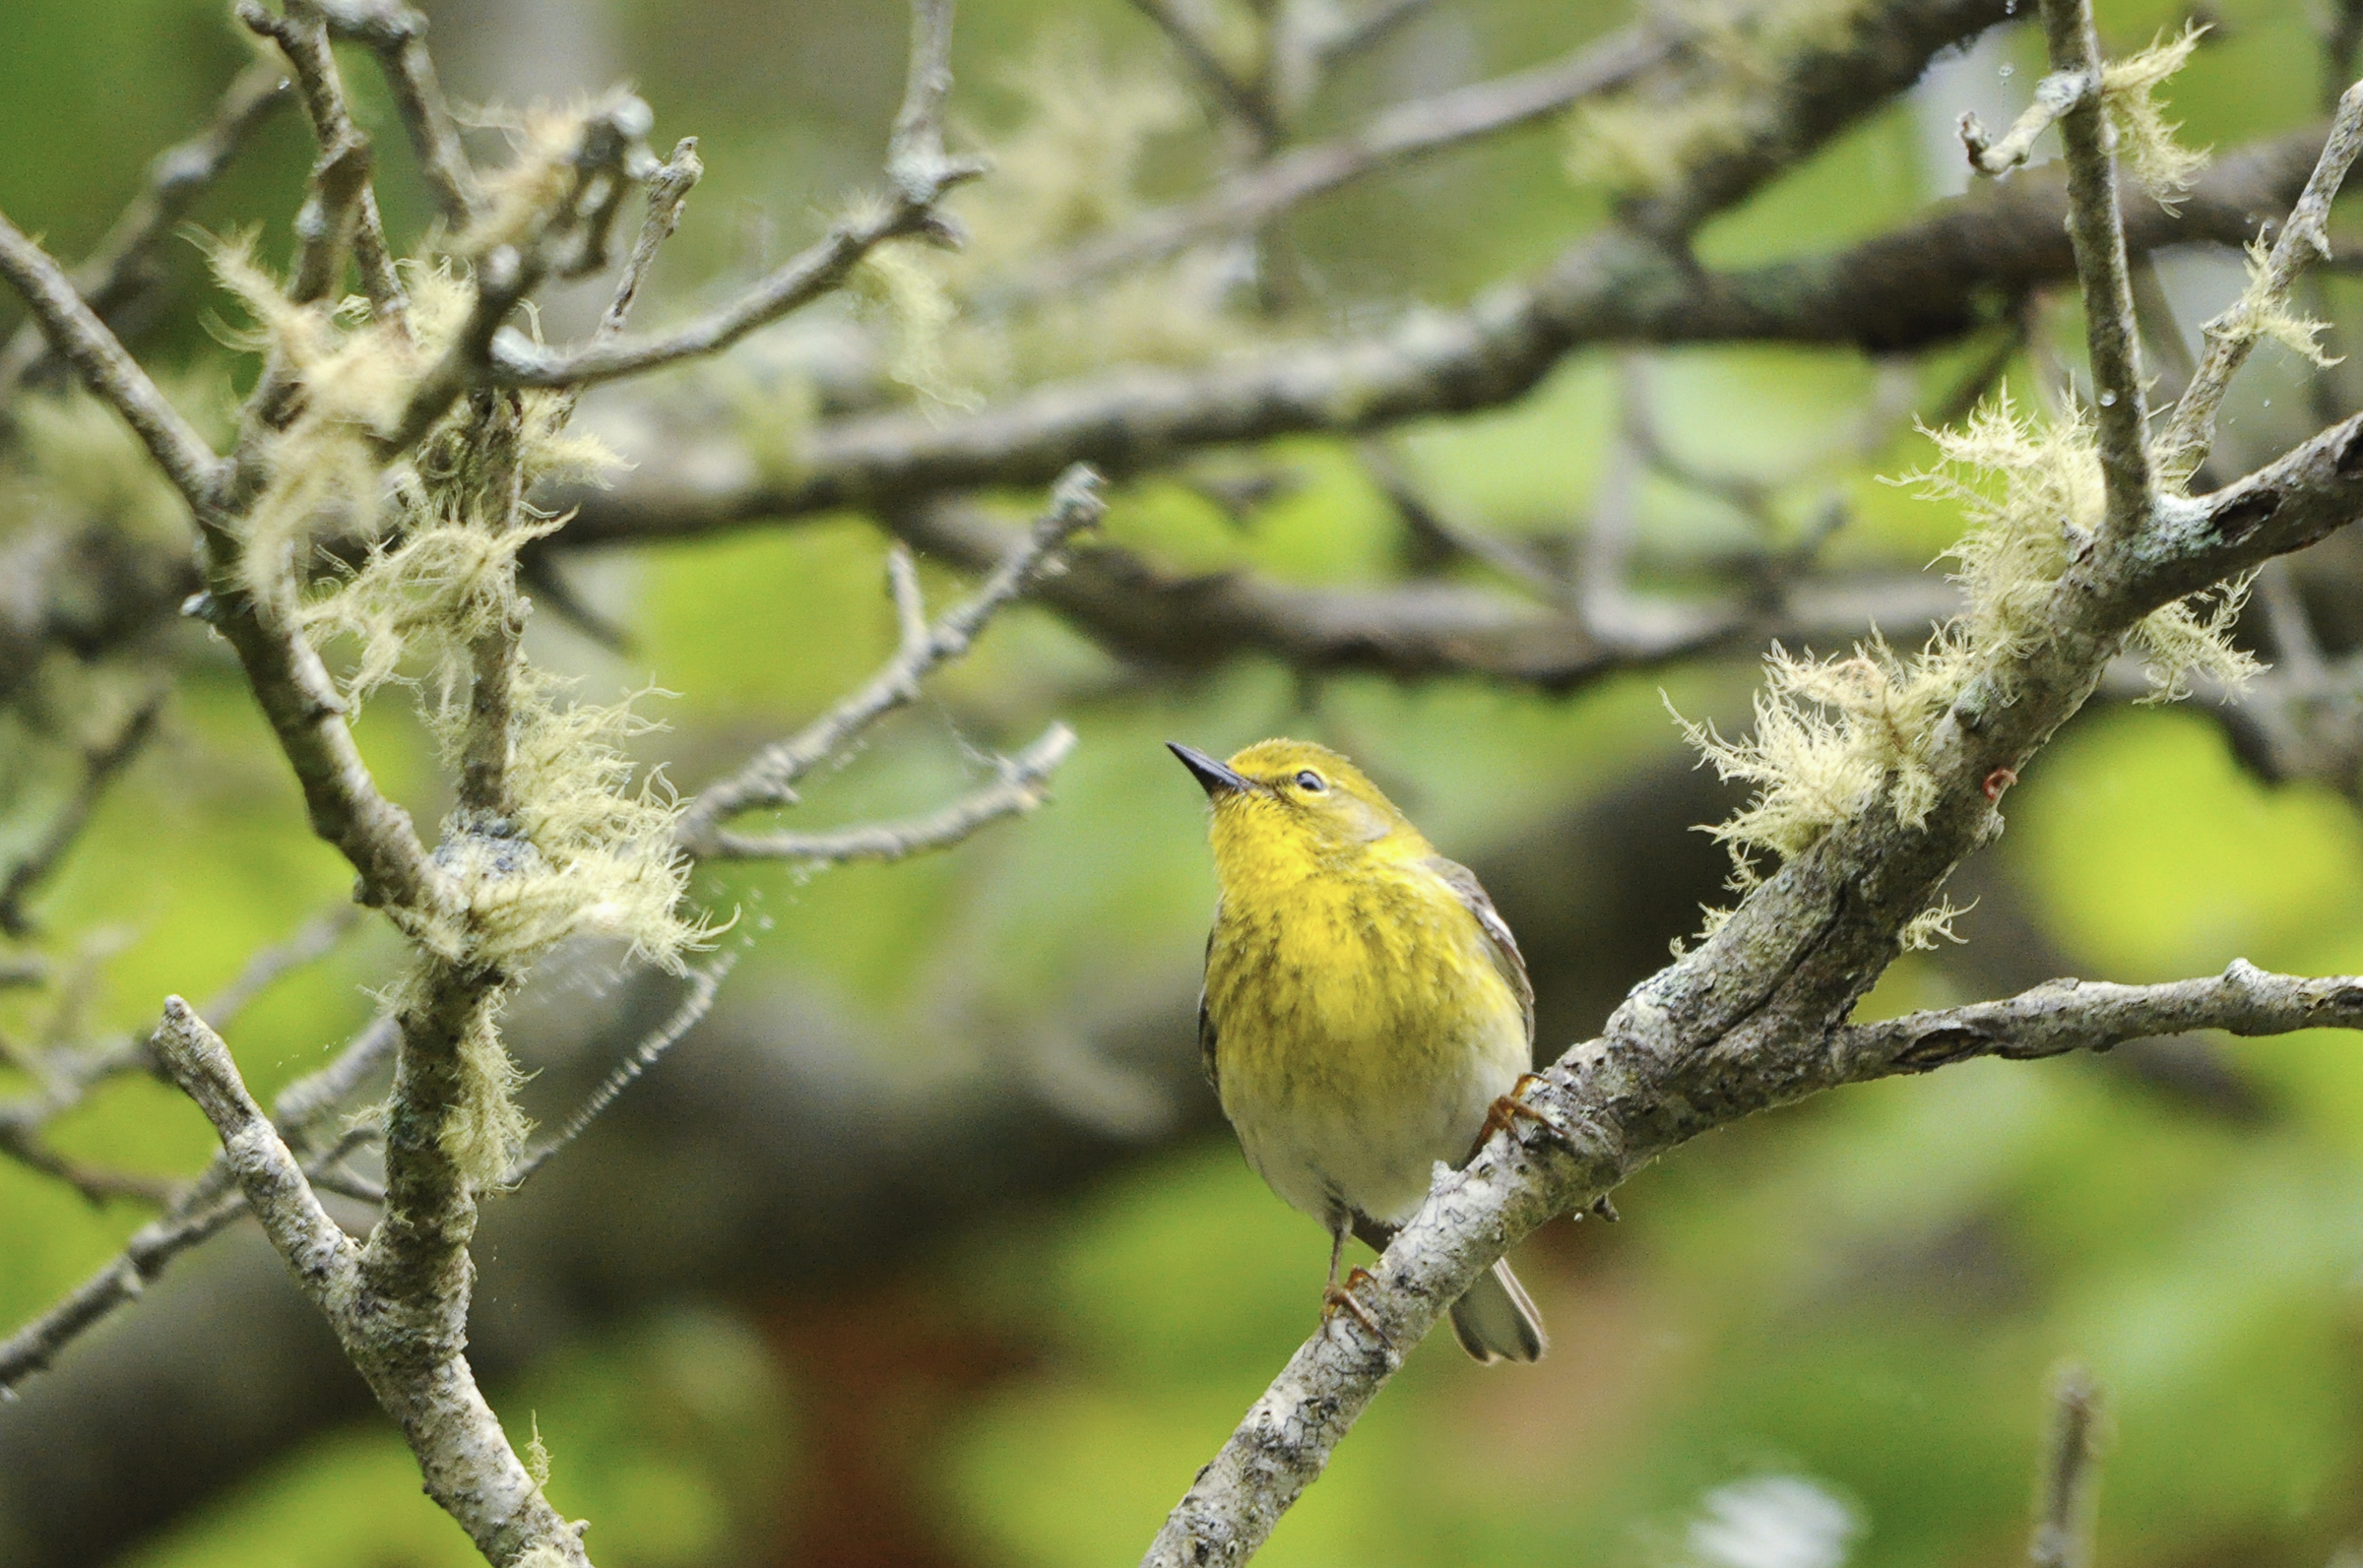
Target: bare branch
x,y
2096,228
1395,136
314,940
668,190
2055,96
397,34
915,155
2063,1535
1023,784
314,1247
342,211
704,986
100,767
208,1203
2229,336
1243,99
770,778
82,340
122,264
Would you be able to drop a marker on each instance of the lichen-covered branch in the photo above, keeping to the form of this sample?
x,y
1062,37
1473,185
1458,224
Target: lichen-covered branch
x,y
463,1454
2191,430
1756,1014
1928,282
1622,1101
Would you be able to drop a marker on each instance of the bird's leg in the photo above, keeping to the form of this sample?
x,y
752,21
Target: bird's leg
x,y
1510,1107
1336,1297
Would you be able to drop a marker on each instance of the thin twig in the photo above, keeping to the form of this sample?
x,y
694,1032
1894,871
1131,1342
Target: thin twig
x,y
342,210
100,767
311,941
2055,96
75,331
1394,137
704,985
122,263
768,779
1023,784
919,174
2190,431
397,34
668,190
2096,230
208,1203
1240,98
2063,1533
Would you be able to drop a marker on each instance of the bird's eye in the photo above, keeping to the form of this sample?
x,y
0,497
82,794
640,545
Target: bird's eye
x,y
1311,783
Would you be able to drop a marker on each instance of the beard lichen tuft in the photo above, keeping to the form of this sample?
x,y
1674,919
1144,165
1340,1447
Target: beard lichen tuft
x,y
2146,142
587,853
1836,736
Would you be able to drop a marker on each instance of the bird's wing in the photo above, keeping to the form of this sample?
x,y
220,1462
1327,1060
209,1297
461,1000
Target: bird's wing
x,y
1500,946
1206,1028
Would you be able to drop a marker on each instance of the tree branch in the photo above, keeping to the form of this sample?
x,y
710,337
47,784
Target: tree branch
x,y
2190,431
920,175
1930,280
342,212
768,779
397,34
1394,137
203,1206
1617,1103
464,1457
1023,784
121,265
2063,1535
2096,228
2055,96
75,331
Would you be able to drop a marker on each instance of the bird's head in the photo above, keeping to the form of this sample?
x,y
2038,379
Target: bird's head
x,y
1283,800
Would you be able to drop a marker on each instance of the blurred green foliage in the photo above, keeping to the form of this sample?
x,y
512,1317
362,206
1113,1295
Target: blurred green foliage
x,y
1864,1292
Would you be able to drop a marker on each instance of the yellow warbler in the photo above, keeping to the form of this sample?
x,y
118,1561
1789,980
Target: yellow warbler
x,y
1366,1010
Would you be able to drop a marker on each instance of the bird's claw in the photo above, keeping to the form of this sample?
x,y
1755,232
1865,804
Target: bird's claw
x,y
1338,1298
1510,1108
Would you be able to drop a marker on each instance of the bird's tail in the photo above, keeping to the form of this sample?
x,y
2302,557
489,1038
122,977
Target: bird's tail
x,y
1496,1321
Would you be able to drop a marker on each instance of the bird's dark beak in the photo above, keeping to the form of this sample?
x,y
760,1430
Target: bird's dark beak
x,y
1215,779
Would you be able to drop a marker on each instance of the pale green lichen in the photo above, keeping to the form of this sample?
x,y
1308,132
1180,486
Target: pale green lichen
x,y
905,287
2145,140
589,851
1836,736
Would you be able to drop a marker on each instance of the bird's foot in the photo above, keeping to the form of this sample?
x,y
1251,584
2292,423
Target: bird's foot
x,y
1512,1108
1338,1298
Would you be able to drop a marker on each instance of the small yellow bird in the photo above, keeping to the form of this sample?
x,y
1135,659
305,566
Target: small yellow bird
x,y
1366,1012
